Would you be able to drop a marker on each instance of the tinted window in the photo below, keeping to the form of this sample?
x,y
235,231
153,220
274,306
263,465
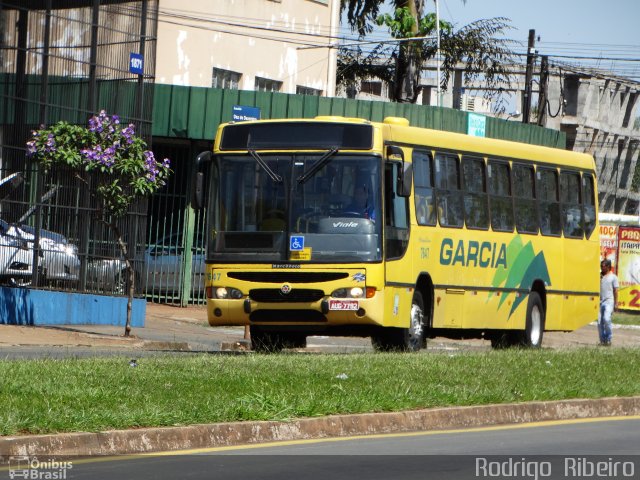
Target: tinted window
x,y
476,208
448,192
570,193
501,205
525,202
423,185
291,136
547,188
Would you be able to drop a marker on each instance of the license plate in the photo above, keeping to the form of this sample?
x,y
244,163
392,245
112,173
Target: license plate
x,y
343,305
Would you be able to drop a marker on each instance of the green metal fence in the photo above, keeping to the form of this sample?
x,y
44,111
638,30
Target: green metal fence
x,y
185,120
195,113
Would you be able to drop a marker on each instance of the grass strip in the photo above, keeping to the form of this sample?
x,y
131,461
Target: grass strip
x,y
46,396
626,318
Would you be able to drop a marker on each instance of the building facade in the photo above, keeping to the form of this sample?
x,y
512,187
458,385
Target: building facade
x,y
598,114
265,45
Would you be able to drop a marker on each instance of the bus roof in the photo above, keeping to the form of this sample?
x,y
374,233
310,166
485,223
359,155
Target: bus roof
x,y
397,130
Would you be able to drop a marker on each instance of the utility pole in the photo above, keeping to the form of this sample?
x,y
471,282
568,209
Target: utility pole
x,y
544,85
531,53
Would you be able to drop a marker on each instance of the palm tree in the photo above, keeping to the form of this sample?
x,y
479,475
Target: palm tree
x,y
478,46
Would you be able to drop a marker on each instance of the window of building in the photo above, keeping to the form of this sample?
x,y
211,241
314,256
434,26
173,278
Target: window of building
x,y
476,208
267,85
225,79
526,207
501,205
448,191
300,90
423,186
371,87
547,188
570,193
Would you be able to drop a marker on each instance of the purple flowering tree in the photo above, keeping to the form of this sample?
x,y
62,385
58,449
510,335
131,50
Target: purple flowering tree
x,y
112,162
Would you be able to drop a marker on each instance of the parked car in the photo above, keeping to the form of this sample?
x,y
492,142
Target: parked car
x,y
59,260
16,261
159,269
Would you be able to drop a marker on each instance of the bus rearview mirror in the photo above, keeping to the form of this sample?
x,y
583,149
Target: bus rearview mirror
x,y
197,195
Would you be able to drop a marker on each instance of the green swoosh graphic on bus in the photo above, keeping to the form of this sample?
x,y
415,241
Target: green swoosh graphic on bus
x,y
525,267
537,270
513,249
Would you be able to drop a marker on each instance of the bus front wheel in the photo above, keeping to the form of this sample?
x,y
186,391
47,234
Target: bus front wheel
x,y
411,339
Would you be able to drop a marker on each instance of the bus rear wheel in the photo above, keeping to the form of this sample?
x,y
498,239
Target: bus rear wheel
x,y
531,337
393,339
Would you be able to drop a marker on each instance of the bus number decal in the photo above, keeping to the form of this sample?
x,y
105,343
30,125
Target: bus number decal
x,y
214,277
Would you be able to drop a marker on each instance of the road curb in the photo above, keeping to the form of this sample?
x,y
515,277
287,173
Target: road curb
x,y
147,440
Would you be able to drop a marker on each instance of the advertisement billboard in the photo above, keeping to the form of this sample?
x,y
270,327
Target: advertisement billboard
x,y
628,267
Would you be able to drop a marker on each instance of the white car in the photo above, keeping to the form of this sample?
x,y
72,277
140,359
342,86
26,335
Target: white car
x,y
16,261
58,260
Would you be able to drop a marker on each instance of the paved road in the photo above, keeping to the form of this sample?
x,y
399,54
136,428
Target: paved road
x,y
169,328
562,449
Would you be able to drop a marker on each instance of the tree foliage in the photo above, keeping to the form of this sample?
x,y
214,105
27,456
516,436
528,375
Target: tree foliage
x,y
112,163
485,56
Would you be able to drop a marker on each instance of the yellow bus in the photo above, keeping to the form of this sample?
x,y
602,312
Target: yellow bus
x,y
346,227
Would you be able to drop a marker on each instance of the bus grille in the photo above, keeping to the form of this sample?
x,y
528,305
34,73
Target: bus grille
x,y
287,316
274,295
290,277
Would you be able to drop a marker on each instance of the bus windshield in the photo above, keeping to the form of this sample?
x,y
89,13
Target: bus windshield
x,y
328,200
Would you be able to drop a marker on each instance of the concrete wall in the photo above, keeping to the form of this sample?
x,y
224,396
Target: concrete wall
x,y
264,38
24,306
597,114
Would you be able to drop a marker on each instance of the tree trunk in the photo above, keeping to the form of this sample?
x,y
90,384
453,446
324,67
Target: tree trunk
x,y
407,84
131,274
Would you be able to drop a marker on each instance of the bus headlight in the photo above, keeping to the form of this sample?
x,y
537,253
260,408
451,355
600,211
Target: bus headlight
x,y
354,292
224,293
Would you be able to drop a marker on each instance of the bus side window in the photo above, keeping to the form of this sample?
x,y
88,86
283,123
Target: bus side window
x,y
423,187
501,203
526,208
549,206
448,191
571,204
588,204
476,208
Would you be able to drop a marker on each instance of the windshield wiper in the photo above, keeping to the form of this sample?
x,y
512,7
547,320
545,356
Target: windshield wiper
x,y
322,161
274,176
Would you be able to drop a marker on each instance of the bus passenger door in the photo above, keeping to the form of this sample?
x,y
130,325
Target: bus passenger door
x,y
399,279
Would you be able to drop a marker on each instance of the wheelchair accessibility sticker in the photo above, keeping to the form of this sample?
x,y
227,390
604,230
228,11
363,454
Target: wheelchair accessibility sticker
x,y
296,243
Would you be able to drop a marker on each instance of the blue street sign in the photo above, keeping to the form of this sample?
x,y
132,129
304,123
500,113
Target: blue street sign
x,y
296,243
136,64
242,113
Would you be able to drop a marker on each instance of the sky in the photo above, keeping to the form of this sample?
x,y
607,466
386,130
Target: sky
x,y
587,28
568,29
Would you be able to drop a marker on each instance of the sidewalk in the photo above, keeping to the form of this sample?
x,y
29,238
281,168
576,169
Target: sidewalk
x,y
166,328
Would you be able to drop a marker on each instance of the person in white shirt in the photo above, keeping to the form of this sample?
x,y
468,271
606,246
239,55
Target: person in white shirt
x,y
608,301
